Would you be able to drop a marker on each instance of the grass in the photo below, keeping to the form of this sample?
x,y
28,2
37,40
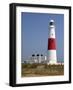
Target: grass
x,y
31,70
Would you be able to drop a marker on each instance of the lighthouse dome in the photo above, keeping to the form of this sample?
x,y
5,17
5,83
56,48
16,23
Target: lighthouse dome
x,y
51,22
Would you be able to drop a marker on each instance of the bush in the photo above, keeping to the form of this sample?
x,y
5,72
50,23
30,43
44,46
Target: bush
x,y
29,65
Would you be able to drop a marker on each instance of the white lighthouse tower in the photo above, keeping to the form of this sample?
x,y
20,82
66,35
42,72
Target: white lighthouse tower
x,y
52,57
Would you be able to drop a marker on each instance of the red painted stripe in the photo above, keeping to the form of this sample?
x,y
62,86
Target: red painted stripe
x,y
51,44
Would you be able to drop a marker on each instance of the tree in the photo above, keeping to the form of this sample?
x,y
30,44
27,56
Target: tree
x,y
37,54
38,57
33,55
41,54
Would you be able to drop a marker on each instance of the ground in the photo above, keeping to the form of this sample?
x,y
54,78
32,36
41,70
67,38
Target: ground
x,y
31,70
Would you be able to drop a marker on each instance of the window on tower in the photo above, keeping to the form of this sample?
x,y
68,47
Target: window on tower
x,y
52,34
51,23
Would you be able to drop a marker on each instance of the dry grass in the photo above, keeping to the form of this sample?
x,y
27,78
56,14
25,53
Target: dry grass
x,y
30,70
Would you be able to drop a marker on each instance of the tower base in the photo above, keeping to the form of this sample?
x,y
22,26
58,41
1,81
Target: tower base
x,y
52,58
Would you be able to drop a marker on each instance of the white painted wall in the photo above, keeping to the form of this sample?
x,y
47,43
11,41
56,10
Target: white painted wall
x,y
52,31
52,57
4,45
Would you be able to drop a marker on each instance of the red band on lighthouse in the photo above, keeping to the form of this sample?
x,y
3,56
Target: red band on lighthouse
x,y
51,44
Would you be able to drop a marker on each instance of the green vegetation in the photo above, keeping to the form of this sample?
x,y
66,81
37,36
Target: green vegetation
x,y
30,70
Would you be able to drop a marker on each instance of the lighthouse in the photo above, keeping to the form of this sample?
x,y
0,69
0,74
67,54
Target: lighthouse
x,y
52,56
